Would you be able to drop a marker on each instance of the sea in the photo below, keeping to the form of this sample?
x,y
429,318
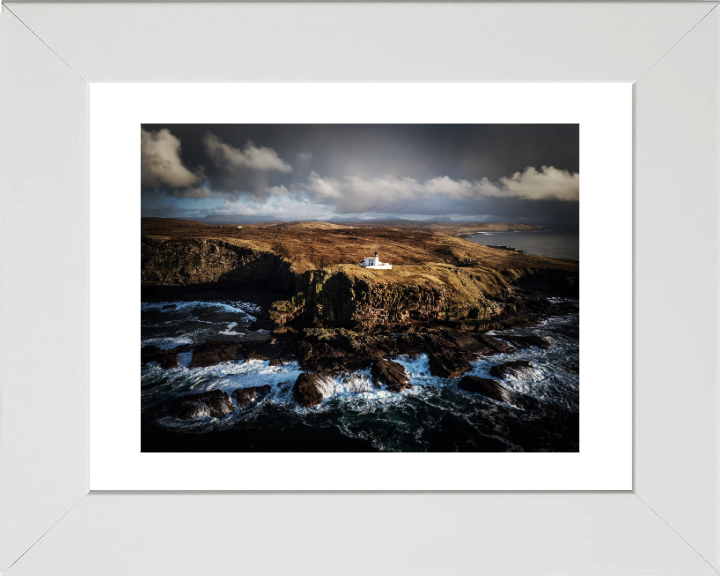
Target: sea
x,y
548,243
433,416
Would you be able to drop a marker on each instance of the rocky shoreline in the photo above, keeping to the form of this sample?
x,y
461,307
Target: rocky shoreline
x,y
342,318
328,352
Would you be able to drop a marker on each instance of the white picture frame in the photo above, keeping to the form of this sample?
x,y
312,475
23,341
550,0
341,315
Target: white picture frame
x,y
49,523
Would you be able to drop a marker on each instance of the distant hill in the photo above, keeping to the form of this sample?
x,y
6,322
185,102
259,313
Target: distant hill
x,y
172,223
313,225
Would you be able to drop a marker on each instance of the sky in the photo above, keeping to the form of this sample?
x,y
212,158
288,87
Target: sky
x,y
240,173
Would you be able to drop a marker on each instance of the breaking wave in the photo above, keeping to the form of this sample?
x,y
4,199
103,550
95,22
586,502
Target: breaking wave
x,y
433,415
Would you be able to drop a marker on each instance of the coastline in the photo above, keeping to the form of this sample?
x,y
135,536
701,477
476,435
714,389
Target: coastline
x,y
465,332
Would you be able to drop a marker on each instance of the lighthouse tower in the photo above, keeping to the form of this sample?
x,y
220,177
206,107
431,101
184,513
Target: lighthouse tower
x,y
374,263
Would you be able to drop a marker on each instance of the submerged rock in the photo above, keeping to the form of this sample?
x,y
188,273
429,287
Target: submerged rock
x,y
307,390
514,368
487,387
214,403
246,397
214,352
448,366
166,358
391,374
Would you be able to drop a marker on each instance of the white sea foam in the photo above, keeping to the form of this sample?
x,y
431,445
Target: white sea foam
x,y
350,385
418,370
232,375
236,307
229,330
326,385
167,343
352,393
226,376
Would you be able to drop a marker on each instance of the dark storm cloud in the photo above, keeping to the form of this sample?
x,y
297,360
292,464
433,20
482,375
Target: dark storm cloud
x,y
290,172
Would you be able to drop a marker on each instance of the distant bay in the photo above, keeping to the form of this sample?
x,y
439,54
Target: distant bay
x,y
550,243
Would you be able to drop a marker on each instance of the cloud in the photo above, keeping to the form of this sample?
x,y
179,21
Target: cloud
x,y
254,182
325,188
354,194
547,184
277,207
250,157
161,166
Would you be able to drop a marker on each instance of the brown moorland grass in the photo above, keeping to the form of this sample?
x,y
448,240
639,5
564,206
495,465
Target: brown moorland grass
x,y
313,245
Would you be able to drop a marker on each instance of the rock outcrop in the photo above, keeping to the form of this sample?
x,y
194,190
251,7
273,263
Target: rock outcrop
x,y
307,390
495,344
165,358
246,397
353,297
391,374
356,298
214,352
514,368
214,403
448,365
339,349
487,387
193,261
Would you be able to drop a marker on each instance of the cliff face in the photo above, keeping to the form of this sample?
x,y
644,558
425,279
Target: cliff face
x,y
209,261
351,297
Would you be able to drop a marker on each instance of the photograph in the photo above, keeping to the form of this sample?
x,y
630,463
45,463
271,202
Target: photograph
x,y
360,287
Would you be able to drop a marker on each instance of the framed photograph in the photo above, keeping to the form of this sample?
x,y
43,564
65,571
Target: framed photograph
x,y
300,351
348,266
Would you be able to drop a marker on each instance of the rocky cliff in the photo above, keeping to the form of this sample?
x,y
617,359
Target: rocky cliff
x,y
188,262
353,297
307,279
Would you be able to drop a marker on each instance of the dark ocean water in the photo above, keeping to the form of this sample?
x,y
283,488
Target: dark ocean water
x,y
552,244
354,415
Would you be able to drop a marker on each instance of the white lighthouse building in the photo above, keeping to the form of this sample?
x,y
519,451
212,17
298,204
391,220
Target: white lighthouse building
x,y
374,263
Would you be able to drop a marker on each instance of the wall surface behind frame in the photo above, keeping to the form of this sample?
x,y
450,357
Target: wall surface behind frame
x,y
677,251
43,198
43,288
